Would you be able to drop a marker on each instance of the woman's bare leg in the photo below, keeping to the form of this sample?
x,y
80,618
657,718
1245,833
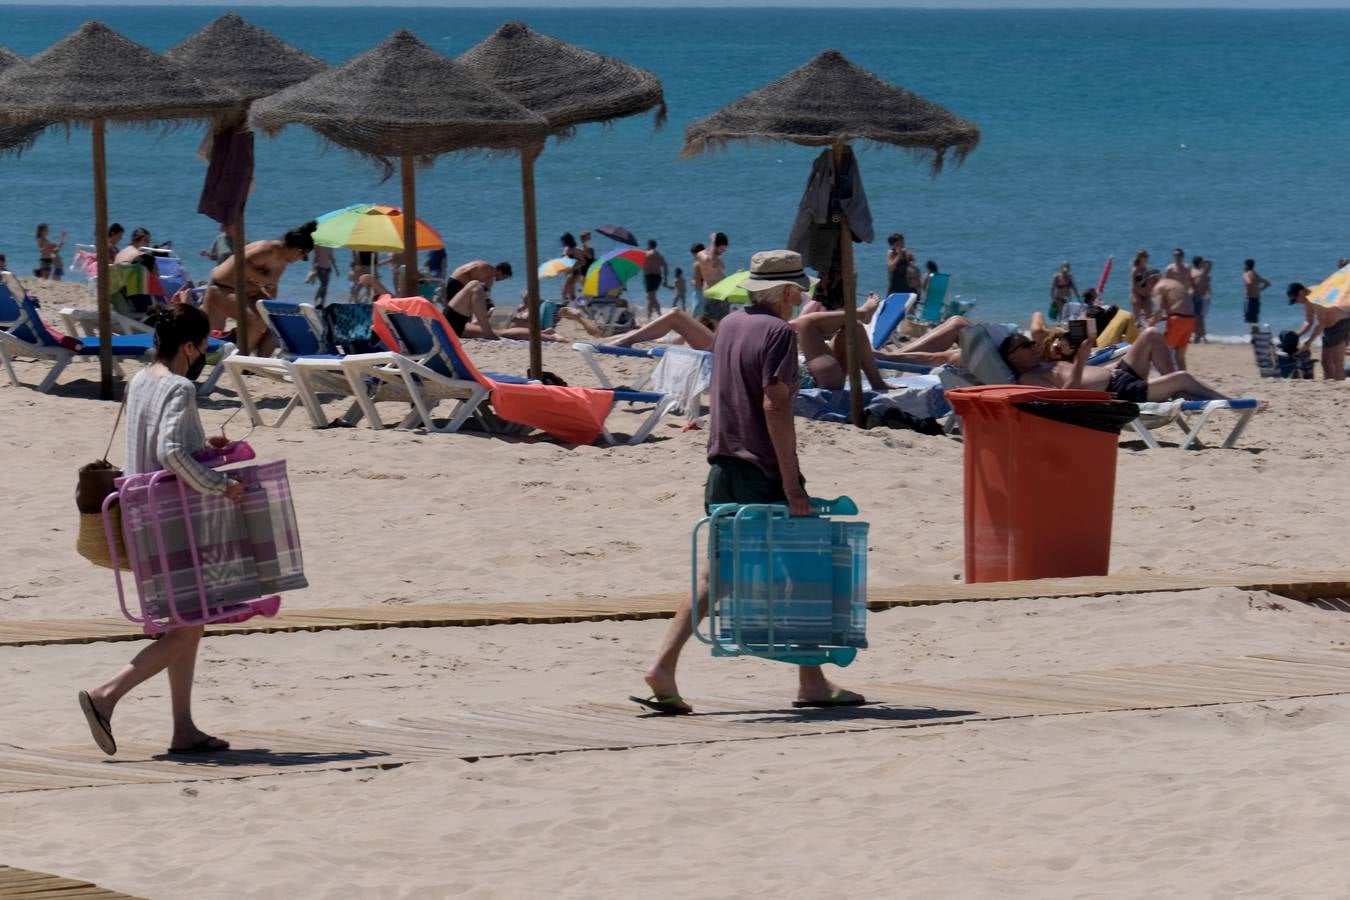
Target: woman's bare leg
x,y
942,337
827,360
586,322
218,306
696,335
164,653
1039,329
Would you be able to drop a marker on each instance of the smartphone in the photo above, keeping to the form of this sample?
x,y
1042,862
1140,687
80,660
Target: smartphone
x,y
1078,332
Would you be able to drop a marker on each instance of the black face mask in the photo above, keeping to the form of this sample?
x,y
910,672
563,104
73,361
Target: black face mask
x,y
194,371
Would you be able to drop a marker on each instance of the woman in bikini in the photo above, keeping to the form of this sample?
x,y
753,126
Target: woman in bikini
x,y
264,264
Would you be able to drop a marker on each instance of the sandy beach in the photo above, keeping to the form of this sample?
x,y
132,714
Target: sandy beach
x,y
1238,799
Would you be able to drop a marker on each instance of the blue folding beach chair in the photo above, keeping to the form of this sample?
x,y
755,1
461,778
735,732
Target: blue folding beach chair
x,y
888,317
786,588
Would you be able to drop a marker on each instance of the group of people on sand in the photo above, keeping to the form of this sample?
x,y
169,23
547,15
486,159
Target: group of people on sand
x,y
752,449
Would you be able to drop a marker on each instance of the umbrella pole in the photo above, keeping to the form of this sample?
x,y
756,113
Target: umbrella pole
x,y
105,361
527,158
855,394
240,286
409,229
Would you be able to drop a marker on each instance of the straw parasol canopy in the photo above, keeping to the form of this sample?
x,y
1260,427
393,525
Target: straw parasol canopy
x,y
15,138
238,56
403,101
241,57
95,76
830,102
564,83
568,86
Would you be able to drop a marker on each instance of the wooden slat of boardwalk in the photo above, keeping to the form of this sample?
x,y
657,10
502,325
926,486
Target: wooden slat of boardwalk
x,y
1300,586
479,732
15,883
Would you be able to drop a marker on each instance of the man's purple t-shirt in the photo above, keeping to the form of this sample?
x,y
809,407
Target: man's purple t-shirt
x,y
752,350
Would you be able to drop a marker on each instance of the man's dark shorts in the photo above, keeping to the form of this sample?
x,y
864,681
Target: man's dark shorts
x,y
1126,384
733,480
652,280
1336,335
1251,313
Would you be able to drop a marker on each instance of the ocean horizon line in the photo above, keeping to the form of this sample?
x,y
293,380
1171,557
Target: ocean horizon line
x,y
1233,6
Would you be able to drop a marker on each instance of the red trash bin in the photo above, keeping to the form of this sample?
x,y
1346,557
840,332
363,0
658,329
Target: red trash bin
x,y
1040,480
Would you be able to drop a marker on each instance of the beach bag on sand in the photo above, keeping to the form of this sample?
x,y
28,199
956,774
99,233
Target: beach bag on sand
x,y
93,483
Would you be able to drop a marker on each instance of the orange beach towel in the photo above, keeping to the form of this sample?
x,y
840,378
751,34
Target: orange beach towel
x,y
575,415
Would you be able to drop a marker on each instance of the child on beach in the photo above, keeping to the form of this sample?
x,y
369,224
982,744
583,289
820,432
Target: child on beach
x,y
681,288
163,431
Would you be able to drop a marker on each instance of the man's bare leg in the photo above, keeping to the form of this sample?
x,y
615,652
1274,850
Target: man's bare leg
x,y
1181,385
1149,351
1333,363
696,335
660,676
471,302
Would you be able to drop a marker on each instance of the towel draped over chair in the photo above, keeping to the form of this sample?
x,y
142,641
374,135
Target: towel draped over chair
x,y
573,414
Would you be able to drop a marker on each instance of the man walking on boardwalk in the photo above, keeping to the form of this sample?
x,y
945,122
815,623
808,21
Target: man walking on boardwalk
x,y
752,449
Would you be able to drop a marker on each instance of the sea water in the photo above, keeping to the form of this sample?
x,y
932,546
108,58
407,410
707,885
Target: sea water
x,y
1103,132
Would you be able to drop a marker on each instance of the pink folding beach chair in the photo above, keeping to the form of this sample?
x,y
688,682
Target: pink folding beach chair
x,y
198,558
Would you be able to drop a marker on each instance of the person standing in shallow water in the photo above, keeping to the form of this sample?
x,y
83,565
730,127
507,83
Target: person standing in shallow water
x,y
655,273
163,432
752,450
1253,283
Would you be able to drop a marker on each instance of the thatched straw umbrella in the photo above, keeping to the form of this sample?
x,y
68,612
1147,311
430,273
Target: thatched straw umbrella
x,y
15,138
568,86
403,101
252,63
93,77
830,102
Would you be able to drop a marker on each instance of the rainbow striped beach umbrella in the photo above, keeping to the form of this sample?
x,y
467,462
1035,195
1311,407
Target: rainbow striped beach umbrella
x,y
611,271
371,226
1335,291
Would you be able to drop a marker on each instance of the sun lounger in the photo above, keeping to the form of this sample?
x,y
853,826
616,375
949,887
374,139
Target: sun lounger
x,y
305,359
589,352
979,348
1153,415
30,337
573,414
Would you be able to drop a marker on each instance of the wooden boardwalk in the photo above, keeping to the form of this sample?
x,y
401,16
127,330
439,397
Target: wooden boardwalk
x,y
21,883
483,732
1295,585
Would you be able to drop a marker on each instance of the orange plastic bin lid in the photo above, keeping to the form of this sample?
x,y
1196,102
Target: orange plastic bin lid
x,y
1010,394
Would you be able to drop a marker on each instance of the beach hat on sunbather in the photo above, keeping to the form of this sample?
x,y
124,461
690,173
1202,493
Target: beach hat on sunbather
x,y
771,268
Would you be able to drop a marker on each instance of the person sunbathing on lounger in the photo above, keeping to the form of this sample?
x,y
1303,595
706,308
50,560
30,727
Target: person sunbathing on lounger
x,y
1023,356
819,335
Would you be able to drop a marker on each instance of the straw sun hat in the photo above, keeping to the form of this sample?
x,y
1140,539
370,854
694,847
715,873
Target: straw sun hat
x,y
772,268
